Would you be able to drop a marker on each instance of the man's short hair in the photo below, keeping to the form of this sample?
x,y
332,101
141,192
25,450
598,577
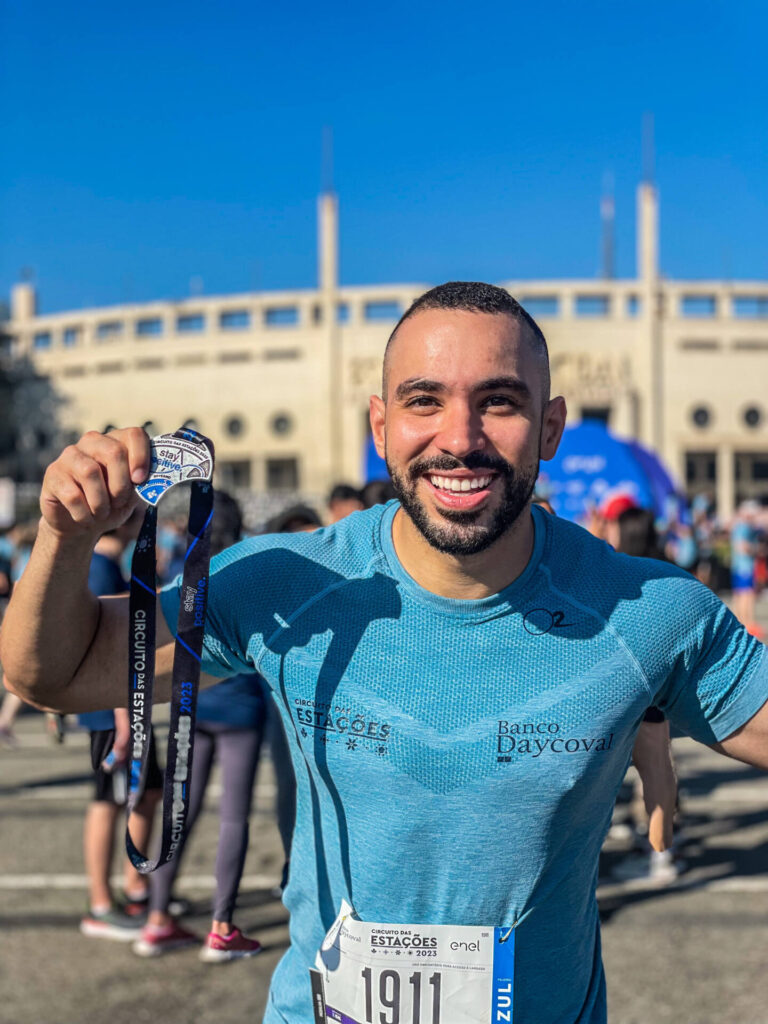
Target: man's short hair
x,y
475,297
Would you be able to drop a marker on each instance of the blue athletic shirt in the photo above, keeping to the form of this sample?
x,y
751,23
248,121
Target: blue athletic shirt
x,y
457,761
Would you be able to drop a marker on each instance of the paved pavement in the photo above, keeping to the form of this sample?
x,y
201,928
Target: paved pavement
x,y
695,952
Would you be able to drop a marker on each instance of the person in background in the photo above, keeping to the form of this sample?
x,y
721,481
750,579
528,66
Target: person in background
x,y
229,728
632,532
15,548
377,492
110,746
543,502
295,519
743,554
6,557
342,501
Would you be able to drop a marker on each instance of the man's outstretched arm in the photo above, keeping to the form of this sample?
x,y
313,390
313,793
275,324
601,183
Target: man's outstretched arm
x,y
750,742
61,647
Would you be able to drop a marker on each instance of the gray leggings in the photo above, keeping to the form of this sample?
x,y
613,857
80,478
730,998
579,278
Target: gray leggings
x,y
237,750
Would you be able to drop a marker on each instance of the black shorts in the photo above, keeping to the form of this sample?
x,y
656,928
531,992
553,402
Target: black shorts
x,y
654,714
101,744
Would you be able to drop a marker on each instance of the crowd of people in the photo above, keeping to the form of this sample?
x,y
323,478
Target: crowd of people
x,y
236,720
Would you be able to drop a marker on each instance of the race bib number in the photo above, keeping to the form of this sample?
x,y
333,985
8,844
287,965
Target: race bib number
x,y
413,974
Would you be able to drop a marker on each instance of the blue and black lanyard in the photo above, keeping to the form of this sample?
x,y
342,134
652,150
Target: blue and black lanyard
x,y
186,664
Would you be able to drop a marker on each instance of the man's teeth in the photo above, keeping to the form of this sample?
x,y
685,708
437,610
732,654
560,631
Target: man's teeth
x,y
450,483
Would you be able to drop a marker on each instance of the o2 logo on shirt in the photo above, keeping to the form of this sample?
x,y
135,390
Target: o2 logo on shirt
x,y
540,621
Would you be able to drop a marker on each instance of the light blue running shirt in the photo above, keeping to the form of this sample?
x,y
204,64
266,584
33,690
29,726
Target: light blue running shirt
x,y
457,761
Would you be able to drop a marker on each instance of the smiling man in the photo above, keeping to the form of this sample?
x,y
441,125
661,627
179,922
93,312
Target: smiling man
x,y
462,678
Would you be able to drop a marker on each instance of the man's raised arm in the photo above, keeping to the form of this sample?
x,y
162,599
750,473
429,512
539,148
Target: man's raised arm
x,y
61,647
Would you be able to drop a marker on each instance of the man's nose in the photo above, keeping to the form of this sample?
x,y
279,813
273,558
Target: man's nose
x,y
461,430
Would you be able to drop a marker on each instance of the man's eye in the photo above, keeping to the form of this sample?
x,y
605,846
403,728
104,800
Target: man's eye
x,y
500,400
421,400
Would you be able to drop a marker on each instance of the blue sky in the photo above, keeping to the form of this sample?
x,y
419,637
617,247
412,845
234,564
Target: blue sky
x,y
148,144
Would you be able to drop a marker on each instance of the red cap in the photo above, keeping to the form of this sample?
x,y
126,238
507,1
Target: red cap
x,y
613,507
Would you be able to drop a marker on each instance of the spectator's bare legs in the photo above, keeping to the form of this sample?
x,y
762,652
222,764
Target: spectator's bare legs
x,y
744,606
8,711
98,847
652,756
135,885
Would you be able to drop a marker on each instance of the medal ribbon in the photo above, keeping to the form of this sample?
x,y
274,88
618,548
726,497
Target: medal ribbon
x,y
186,664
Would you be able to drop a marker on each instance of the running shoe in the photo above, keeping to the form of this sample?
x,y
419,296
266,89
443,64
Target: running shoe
x,y
157,939
218,949
8,737
135,908
659,868
112,924
179,906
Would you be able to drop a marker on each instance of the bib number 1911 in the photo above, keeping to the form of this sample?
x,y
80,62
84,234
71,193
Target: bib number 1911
x,y
393,996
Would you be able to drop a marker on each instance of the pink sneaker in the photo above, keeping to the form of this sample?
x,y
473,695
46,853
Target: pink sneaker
x,y
155,941
235,946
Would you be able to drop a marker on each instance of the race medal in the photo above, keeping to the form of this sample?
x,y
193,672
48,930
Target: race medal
x,y
175,459
413,973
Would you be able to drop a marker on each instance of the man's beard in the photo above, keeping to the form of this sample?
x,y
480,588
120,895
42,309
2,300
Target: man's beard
x,y
461,534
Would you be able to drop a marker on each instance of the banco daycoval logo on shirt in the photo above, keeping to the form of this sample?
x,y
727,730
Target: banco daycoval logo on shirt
x,y
544,739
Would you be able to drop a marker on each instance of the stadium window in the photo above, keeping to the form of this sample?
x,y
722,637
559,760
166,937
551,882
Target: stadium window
x,y
342,313
71,336
541,305
382,310
109,329
190,322
753,416
234,319
599,413
234,426
282,474
634,305
751,345
698,305
235,357
700,469
281,424
701,417
42,339
282,353
234,474
699,345
281,316
592,305
149,327
750,307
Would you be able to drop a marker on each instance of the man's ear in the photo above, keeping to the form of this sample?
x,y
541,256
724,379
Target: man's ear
x,y
377,412
552,427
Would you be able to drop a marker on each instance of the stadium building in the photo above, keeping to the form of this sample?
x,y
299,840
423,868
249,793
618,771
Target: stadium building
x,y
280,380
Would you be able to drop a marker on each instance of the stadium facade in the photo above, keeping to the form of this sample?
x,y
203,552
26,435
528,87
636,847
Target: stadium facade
x,y
281,380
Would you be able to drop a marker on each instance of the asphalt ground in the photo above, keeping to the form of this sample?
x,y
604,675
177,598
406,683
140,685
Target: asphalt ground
x,y
695,951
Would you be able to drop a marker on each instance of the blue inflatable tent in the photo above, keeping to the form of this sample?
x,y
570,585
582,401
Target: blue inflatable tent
x,y
592,464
